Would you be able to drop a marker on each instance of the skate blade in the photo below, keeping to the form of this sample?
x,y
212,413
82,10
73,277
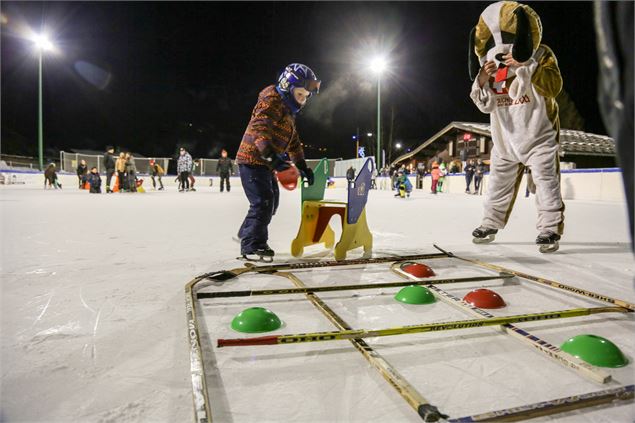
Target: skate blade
x,y
549,248
255,259
485,240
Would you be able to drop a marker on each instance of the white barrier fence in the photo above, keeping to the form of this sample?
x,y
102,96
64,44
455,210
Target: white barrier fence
x,y
341,166
70,161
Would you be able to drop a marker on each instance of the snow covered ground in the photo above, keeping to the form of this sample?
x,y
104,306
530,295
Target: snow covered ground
x,y
93,319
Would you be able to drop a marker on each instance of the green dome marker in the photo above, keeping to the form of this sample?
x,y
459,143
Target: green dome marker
x,y
595,350
255,320
415,294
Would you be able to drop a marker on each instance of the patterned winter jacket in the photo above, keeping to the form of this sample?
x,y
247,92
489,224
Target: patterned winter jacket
x,y
271,129
184,164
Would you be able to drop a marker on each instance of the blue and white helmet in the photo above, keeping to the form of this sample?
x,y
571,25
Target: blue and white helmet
x,y
293,76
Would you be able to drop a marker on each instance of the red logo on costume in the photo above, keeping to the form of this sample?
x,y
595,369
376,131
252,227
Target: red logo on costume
x,y
499,88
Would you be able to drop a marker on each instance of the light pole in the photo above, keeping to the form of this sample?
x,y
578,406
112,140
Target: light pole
x,y
378,65
42,44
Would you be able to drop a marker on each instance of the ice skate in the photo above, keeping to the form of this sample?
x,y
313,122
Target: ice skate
x,y
483,235
258,255
548,242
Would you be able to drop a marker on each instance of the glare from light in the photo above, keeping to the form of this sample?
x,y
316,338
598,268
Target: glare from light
x,y
378,65
398,146
370,134
42,42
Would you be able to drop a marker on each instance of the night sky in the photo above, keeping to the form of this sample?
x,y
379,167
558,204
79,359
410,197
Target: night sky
x,y
153,76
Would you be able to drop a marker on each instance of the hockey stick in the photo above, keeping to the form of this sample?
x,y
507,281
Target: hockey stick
x,y
553,284
546,408
426,327
427,411
307,289
202,411
223,275
590,372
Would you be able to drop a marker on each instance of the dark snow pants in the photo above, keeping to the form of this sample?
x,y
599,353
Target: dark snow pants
x,y
261,188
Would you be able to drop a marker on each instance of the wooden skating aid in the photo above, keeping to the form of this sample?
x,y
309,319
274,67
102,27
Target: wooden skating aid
x,y
317,213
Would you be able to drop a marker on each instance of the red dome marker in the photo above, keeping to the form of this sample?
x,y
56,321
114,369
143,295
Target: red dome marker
x,y
484,298
417,270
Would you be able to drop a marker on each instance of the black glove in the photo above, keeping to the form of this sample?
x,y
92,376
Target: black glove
x,y
305,171
277,162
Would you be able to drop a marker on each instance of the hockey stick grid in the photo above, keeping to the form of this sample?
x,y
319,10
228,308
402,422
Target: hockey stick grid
x,y
324,298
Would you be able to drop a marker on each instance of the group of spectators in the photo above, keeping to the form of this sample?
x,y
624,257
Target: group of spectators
x,y
123,166
124,170
437,169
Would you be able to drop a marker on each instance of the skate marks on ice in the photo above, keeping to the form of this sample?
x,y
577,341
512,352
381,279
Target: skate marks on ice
x,y
566,247
131,412
594,248
40,272
86,327
610,273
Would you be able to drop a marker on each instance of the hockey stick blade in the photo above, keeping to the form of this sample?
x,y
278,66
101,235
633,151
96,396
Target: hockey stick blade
x,y
430,413
219,276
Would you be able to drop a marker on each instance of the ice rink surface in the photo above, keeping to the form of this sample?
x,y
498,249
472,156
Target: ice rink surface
x,y
94,330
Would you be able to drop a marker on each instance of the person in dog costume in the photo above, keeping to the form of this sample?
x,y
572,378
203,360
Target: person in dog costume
x,y
516,80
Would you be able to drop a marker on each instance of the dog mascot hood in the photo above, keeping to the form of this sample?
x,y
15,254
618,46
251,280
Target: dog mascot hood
x,y
504,26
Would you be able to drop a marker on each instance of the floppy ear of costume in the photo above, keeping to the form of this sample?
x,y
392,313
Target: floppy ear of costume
x,y
503,27
472,60
523,47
